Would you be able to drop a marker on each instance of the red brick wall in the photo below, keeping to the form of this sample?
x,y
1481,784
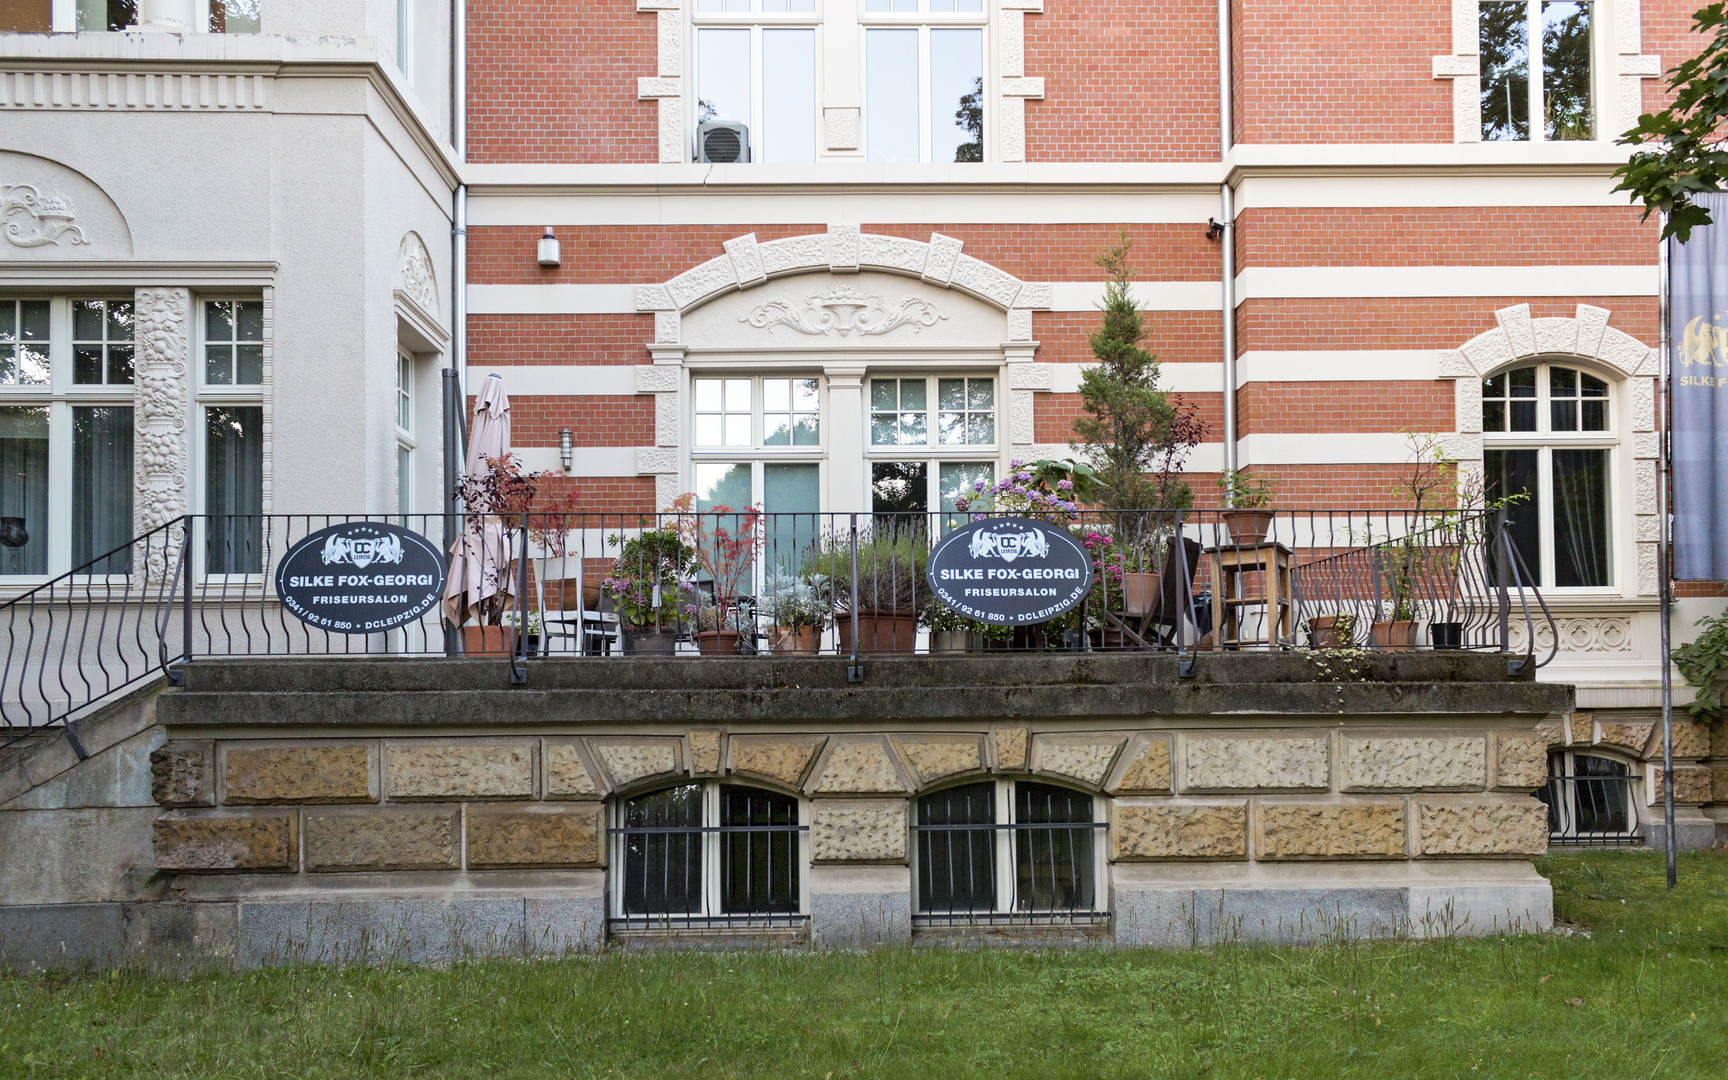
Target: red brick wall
x,y
1446,236
557,82
1668,34
1065,252
1332,71
1053,415
1326,487
629,495
1413,323
1175,337
1345,406
531,340
593,420
1124,80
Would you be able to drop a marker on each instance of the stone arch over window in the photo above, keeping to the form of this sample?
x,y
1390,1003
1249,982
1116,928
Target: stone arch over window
x,y
846,307
1584,341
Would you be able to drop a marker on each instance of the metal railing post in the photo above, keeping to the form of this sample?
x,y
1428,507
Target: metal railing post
x,y
519,625
186,589
1501,545
854,670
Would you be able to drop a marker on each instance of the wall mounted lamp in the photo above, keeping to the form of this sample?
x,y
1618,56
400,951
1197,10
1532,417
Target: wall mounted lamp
x,y
548,249
566,454
1214,231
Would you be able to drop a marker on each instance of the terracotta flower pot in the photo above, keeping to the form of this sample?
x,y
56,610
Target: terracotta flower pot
x,y
1248,527
718,642
649,641
879,632
1332,631
952,642
1140,594
1400,634
794,640
485,640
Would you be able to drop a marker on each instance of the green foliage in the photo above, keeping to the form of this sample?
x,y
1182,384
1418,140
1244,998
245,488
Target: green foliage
x,y
1690,159
1704,662
1129,427
1634,991
1248,491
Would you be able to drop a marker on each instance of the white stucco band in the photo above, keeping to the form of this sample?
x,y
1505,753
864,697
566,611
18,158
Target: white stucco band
x,y
1621,99
1585,336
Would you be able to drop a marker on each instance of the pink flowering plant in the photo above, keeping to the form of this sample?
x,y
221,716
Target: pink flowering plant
x,y
1048,490
653,568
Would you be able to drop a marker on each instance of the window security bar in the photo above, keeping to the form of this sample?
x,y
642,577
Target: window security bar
x,y
1013,874
708,877
1592,811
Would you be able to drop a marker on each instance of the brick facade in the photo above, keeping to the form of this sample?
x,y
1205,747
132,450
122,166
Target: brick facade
x,y
1445,236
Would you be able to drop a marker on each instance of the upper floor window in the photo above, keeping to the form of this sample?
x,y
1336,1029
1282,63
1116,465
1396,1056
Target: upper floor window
x,y
1548,435
965,412
756,66
1544,94
234,16
758,412
42,16
107,14
231,398
924,80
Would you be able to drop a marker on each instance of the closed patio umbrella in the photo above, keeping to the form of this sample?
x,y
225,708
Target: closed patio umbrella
x,y
480,557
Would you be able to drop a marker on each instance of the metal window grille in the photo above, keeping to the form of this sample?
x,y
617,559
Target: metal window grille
x,y
1039,867
675,872
1590,801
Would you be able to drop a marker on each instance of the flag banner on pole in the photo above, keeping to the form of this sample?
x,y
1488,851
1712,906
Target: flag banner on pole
x,y
1698,385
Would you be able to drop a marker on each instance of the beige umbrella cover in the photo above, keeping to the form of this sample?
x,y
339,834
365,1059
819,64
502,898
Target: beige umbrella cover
x,y
479,558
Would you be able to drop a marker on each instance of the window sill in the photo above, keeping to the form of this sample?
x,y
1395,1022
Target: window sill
x,y
717,929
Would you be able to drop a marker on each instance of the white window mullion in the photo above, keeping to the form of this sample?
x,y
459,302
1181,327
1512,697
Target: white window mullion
x,y
1005,843
1533,35
924,124
59,487
710,905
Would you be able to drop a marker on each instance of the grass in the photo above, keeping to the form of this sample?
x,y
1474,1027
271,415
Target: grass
x,y
1638,989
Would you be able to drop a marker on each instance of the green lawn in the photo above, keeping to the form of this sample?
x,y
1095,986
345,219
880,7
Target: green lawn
x,y
1640,990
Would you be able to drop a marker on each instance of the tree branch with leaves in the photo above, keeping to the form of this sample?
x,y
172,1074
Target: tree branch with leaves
x,y
1689,158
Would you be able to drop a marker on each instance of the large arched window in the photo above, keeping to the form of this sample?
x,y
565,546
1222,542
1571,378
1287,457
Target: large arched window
x,y
1548,431
708,854
1015,849
1589,799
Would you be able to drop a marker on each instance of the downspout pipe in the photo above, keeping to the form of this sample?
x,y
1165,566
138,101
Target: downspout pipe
x,y
1664,569
454,397
1227,219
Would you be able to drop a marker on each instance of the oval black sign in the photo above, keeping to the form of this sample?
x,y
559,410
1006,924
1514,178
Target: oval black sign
x,y
1010,571
361,577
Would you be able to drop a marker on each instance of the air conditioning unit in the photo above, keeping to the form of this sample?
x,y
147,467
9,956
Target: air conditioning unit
x,y
723,143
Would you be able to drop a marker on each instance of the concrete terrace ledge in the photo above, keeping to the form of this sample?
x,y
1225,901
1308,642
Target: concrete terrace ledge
x,y
384,691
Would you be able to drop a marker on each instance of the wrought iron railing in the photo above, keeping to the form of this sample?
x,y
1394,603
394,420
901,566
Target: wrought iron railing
x,y
716,877
786,584
1017,874
1592,810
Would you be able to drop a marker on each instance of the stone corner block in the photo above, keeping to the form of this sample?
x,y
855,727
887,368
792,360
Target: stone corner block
x,y
1631,737
1085,759
1370,830
1222,763
1145,769
1691,785
782,759
423,769
184,774
859,766
1520,760
628,760
569,774
1427,763
858,830
1506,829
936,757
703,750
536,835
414,837
1179,831
325,773
226,840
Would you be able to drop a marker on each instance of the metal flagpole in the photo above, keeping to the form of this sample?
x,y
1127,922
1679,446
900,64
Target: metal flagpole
x,y
1664,572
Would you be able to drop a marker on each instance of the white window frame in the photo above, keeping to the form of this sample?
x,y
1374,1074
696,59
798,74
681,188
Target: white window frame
x,y
405,441
1536,95
711,869
756,455
755,20
1005,848
932,452
1567,814
405,39
206,395
61,395
1545,441
925,20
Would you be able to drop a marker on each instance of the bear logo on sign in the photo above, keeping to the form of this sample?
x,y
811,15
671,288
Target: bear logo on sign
x,y
1009,545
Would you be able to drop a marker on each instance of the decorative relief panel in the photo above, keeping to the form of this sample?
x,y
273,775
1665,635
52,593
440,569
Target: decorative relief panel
x,y
666,419
132,90
943,253
1031,377
1019,325
891,253
843,248
841,128
31,217
792,254
656,461
700,282
668,328
1612,634
160,406
977,276
414,271
746,260
1020,414
656,379
845,311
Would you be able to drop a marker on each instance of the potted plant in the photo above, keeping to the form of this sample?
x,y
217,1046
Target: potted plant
x,y
893,596
528,640
1396,627
952,634
1247,495
651,570
1335,631
798,609
496,502
725,542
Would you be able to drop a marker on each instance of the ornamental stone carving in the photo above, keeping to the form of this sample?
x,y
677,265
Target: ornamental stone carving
x,y
845,311
415,270
31,217
1612,634
159,455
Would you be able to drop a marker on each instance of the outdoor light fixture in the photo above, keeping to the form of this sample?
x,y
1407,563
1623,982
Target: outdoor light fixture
x,y
566,455
1214,231
549,249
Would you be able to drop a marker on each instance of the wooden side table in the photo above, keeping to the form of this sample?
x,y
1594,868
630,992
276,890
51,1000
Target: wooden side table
x,y
1228,564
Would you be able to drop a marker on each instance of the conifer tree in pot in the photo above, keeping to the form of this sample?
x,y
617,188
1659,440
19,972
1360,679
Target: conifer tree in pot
x,y
1136,437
